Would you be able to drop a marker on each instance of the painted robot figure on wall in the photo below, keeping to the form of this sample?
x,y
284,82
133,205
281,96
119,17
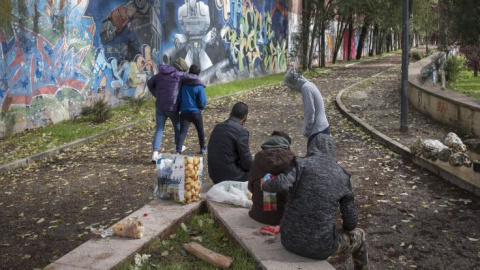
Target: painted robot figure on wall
x,y
227,39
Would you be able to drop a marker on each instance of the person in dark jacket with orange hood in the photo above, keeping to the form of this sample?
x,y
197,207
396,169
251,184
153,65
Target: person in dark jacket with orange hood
x,y
274,158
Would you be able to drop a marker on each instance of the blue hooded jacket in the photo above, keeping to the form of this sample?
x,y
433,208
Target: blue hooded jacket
x,y
165,86
193,98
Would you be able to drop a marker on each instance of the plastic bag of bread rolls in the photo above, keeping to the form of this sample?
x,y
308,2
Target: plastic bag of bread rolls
x,y
179,177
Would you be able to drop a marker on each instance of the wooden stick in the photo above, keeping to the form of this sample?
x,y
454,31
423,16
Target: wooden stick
x,y
207,255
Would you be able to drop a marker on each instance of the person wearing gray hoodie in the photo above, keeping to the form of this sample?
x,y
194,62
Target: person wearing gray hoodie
x,y
314,117
316,186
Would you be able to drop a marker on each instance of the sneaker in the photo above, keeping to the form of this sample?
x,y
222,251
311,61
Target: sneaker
x,y
203,151
183,149
155,156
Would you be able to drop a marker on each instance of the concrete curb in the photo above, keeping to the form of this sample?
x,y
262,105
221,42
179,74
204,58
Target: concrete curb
x,y
160,219
271,255
400,148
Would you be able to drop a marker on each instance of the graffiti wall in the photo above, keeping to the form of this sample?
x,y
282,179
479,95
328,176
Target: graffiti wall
x,y
57,56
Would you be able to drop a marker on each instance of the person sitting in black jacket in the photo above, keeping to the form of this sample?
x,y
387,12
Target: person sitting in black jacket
x,y
229,156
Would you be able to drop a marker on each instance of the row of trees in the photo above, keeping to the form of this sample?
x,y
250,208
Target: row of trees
x,y
441,22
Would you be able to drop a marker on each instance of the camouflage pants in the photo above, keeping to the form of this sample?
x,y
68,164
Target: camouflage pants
x,y
353,242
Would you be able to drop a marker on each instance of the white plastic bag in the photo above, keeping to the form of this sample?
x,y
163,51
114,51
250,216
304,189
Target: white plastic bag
x,y
179,177
231,192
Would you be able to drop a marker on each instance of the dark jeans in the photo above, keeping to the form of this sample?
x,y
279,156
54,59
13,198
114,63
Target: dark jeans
x,y
325,131
185,120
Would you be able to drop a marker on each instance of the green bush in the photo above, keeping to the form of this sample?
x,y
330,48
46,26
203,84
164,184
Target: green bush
x,y
98,113
416,56
453,67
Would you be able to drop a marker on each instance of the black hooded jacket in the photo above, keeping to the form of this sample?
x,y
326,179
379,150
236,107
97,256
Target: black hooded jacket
x,y
316,186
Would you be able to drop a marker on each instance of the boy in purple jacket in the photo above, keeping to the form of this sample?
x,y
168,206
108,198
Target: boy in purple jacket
x,y
164,86
192,101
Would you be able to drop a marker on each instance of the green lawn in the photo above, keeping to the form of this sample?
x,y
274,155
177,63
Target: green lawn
x,y
467,84
169,254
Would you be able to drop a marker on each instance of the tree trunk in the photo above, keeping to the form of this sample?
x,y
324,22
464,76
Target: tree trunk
x,y
305,34
361,40
322,46
381,39
342,26
313,36
350,33
388,38
426,44
373,40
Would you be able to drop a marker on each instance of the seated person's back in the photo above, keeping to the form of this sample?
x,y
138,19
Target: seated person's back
x,y
274,158
229,156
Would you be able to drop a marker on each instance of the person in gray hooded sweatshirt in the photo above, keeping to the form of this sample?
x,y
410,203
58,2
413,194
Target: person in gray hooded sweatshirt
x,y
315,119
316,186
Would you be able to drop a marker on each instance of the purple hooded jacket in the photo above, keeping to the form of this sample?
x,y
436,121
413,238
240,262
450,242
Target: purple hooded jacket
x,y
165,86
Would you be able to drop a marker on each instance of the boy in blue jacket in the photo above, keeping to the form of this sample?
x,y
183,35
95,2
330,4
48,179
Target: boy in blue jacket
x,y
192,101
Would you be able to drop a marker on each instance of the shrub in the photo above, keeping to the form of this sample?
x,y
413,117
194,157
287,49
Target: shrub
x,y
416,56
453,66
98,113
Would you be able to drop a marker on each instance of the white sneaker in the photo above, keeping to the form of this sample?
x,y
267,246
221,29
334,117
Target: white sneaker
x,y
183,149
155,156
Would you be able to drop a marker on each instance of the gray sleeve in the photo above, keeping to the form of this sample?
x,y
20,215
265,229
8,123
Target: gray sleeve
x,y
308,111
281,183
348,210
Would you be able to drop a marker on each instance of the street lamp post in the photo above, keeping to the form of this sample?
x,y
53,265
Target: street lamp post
x,y
405,46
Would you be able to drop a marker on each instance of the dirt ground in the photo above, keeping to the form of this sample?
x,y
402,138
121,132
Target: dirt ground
x,y
413,218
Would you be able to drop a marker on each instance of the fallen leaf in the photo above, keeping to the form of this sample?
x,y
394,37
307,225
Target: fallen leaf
x,y
402,244
172,236
473,239
383,201
184,227
394,227
40,220
165,253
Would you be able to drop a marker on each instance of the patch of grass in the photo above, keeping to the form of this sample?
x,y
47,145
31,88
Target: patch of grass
x,y
169,254
31,142
467,84
218,90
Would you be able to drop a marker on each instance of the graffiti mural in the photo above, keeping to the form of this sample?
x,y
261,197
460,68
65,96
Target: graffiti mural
x,y
227,39
57,56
